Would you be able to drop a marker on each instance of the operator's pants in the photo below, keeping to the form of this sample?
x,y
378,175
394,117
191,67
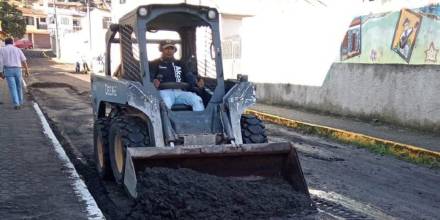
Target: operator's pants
x,y
177,96
14,79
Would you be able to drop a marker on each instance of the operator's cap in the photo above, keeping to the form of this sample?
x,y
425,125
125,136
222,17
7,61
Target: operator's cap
x,y
167,43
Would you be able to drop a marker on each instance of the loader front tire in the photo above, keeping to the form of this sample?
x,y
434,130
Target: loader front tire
x,y
125,131
253,130
101,148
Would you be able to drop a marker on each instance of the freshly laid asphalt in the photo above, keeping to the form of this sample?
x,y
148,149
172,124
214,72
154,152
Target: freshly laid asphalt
x,y
36,183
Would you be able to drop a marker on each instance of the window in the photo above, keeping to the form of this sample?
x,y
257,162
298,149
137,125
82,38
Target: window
x,y
65,21
205,52
29,20
227,49
231,47
41,23
106,21
76,25
51,20
236,47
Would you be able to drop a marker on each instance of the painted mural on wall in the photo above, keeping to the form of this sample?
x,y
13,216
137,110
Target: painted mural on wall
x,y
408,36
351,45
405,34
431,54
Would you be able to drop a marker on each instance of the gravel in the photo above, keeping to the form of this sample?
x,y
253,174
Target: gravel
x,y
186,194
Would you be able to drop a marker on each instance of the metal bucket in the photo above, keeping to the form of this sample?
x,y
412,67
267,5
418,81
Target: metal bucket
x,y
275,160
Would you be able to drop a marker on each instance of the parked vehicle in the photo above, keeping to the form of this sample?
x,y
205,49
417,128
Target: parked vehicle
x,y
24,44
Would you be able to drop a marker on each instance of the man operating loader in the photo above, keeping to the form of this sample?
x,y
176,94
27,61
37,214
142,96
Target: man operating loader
x,y
168,69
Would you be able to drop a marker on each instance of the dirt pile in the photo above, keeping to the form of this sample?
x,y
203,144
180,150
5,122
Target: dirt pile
x,y
186,194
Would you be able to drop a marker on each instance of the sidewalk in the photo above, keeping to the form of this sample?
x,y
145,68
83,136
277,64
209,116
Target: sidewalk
x,y
35,181
401,140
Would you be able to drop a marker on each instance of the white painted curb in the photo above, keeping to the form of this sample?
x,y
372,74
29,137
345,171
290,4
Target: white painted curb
x,y
79,187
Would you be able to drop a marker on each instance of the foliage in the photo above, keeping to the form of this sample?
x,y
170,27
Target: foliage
x,y
12,20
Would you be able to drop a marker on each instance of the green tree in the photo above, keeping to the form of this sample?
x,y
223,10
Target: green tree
x,y
12,20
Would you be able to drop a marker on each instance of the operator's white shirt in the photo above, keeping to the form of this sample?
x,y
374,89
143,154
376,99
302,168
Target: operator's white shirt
x,y
11,56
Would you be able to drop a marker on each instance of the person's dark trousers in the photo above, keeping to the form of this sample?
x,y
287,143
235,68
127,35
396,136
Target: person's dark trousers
x,y
77,67
14,78
86,67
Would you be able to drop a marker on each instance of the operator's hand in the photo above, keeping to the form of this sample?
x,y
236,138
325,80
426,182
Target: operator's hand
x,y
2,76
26,73
156,83
200,83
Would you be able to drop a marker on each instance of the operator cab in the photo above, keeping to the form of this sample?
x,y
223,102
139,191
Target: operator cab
x,y
198,48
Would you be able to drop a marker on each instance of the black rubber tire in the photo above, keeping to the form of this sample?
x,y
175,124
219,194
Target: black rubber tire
x,y
252,130
101,153
130,132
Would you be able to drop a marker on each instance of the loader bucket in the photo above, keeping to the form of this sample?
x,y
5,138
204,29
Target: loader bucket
x,y
276,160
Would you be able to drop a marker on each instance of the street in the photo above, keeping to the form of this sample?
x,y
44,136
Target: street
x,y
365,185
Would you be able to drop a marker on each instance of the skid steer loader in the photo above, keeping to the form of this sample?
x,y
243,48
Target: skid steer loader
x,y
133,129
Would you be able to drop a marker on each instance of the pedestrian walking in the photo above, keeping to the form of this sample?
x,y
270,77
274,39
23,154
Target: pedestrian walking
x,y
13,60
86,68
77,67
1,79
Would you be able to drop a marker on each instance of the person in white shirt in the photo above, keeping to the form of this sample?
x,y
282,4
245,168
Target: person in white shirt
x,y
1,75
13,60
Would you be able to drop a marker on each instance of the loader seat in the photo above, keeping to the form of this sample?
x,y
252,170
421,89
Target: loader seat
x,y
181,107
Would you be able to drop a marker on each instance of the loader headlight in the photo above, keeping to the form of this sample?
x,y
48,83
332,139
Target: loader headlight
x,y
212,14
142,12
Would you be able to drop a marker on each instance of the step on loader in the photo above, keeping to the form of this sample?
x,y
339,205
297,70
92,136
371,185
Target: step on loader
x,y
133,128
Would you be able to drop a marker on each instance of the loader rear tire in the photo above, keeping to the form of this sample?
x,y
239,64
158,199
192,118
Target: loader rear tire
x,y
101,148
125,131
252,130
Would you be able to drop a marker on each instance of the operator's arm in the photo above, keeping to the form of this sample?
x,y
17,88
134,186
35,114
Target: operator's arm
x,y
154,68
192,78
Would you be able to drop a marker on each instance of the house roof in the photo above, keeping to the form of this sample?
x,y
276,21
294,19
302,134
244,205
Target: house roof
x,y
33,12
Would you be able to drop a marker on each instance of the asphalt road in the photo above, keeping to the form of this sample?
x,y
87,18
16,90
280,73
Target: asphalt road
x,y
376,186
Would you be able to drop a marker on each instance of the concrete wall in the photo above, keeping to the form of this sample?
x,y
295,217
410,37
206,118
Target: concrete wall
x,y
401,94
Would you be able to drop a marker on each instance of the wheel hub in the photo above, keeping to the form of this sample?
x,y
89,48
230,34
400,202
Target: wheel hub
x,y
119,153
100,149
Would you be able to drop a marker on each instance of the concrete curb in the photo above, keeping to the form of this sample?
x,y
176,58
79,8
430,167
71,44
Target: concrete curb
x,y
416,154
79,187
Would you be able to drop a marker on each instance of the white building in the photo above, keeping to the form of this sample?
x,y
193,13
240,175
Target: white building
x,y
79,39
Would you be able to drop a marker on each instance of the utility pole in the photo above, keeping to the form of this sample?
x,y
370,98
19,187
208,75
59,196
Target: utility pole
x,y
90,25
57,36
